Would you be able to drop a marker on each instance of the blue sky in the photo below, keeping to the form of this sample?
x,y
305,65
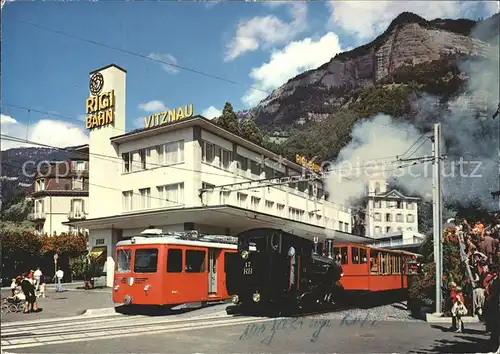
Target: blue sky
x,y
259,44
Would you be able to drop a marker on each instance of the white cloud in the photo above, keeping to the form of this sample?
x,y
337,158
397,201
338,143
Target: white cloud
x,y
49,132
366,19
284,64
211,112
267,30
166,58
153,106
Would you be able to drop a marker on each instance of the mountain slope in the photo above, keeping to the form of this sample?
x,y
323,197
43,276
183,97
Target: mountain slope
x,y
409,40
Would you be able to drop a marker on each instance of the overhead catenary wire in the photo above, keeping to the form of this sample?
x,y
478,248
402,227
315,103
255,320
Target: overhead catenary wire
x,y
113,159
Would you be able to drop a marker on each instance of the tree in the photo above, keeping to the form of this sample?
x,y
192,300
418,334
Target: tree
x,y
68,245
228,120
20,248
250,131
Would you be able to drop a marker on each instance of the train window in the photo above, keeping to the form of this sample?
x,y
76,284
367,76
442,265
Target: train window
x,y
389,263
362,256
355,255
398,265
146,260
374,262
123,257
383,266
195,261
343,255
174,261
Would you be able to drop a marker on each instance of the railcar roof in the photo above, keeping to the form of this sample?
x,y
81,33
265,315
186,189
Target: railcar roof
x,y
170,240
375,248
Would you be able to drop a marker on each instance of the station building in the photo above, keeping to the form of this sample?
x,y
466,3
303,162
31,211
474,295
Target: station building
x,y
183,172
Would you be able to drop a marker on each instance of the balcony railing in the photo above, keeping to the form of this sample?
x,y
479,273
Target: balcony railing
x,y
37,215
76,215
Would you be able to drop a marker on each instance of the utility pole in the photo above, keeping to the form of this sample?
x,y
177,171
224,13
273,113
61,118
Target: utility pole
x,y
437,213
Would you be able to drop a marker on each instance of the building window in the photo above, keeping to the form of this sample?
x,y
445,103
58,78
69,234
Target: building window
x,y
39,206
377,188
126,162
174,261
399,218
377,229
242,200
78,165
255,202
127,198
40,185
226,158
281,209
255,168
174,152
207,152
388,229
145,198
195,261
295,214
142,159
346,227
269,204
171,195
410,218
77,207
388,217
242,163
341,225
77,183
376,217
409,206
399,205
224,197
377,204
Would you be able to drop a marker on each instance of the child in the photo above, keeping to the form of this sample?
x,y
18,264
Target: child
x,y
459,310
13,286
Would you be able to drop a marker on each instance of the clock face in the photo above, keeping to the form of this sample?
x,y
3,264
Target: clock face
x,y
96,83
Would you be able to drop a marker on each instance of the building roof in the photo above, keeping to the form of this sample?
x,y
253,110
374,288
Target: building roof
x,y
394,194
207,125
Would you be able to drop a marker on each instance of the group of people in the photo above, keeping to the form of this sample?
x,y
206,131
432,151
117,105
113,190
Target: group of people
x,y
26,287
480,253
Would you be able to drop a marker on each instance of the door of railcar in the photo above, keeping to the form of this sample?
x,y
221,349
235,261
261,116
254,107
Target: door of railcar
x,y
213,255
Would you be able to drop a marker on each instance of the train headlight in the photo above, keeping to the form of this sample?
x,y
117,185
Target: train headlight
x,y
256,297
245,254
341,274
236,299
146,288
116,287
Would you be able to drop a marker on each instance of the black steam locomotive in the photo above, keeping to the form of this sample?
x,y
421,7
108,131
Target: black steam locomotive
x,y
275,272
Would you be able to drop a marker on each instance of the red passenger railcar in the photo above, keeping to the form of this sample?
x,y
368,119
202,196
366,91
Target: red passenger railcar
x,y
369,269
157,268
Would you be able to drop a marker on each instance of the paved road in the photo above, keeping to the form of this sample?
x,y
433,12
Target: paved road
x,y
71,302
212,331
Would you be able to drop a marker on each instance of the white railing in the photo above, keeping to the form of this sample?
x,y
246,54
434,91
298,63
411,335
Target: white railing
x,y
76,215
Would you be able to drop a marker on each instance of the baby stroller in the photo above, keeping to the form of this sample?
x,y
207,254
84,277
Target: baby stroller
x,y
12,304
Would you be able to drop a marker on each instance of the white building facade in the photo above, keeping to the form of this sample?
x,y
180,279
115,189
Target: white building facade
x,y
60,195
168,176
391,217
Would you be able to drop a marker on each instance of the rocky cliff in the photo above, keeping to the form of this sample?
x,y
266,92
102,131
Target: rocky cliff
x,y
409,40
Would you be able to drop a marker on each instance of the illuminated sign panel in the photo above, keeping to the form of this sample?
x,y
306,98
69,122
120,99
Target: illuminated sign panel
x,y
301,160
100,110
168,116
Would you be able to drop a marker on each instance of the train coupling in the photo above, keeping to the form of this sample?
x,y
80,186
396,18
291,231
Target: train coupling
x,y
127,300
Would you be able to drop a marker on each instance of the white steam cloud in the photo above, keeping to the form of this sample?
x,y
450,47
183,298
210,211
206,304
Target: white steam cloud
x,y
471,169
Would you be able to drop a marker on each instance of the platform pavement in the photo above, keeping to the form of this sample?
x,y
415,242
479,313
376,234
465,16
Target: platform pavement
x,y
71,302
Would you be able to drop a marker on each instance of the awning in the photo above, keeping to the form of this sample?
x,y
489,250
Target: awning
x,y
234,218
97,251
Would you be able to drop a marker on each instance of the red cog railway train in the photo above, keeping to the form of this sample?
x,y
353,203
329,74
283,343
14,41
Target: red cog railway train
x,y
172,268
